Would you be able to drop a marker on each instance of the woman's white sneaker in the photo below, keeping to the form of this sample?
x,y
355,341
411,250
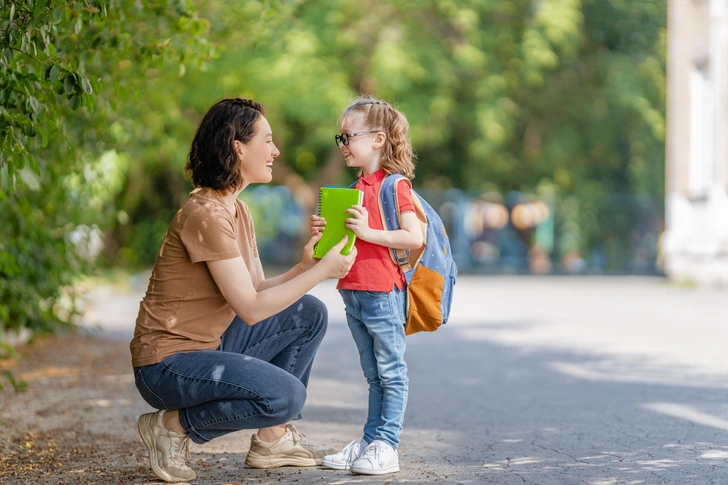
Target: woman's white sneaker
x,y
377,459
343,459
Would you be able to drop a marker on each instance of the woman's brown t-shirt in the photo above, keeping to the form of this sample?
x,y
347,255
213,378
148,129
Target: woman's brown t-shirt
x,y
183,309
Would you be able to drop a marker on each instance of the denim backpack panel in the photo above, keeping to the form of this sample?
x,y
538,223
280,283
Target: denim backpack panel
x,y
430,270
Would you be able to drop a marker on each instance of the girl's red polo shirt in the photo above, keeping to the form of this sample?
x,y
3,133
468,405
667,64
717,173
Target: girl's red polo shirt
x,y
374,269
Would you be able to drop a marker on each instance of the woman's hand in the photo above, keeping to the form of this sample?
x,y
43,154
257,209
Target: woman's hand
x,y
316,224
359,222
336,264
308,261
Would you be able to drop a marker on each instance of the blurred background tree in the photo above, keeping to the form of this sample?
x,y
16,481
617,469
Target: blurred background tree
x,y
559,98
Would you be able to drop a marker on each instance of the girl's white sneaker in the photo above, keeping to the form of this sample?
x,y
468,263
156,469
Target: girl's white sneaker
x,y
377,459
343,459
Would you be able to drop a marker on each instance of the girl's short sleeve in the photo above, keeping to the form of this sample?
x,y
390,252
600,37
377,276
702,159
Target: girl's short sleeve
x,y
404,196
208,234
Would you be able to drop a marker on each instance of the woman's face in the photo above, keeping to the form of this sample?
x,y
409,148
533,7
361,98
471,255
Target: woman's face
x,y
257,155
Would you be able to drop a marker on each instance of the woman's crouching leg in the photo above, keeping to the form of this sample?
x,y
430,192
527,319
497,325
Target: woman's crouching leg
x,y
289,340
280,402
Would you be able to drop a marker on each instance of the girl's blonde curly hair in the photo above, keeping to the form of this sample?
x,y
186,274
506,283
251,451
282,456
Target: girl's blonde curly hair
x,y
397,156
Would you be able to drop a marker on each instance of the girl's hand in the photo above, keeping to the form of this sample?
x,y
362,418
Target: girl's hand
x,y
308,261
359,222
338,266
316,224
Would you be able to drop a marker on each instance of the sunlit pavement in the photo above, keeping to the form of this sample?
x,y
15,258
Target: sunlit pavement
x,y
534,380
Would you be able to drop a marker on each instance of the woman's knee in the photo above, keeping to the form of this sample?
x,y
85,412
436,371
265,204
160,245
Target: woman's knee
x,y
289,402
317,313
315,306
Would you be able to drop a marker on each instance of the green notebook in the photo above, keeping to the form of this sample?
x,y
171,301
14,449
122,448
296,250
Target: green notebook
x,y
333,202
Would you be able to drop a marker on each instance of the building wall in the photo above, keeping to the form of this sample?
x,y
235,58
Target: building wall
x,y
695,243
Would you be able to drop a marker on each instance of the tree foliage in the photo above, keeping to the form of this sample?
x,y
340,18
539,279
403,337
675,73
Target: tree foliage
x,y
70,74
500,94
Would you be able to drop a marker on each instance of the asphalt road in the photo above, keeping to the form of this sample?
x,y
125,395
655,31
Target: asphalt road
x,y
535,380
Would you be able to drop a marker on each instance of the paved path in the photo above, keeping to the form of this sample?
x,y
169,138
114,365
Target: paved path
x,y
535,380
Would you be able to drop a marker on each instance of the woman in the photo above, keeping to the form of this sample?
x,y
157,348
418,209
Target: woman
x,y
216,345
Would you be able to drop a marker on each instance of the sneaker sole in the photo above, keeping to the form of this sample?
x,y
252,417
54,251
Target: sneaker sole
x,y
370,471
334,466
148,440
255,460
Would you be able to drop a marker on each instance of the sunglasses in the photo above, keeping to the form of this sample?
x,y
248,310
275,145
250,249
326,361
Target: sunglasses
x,y
342,139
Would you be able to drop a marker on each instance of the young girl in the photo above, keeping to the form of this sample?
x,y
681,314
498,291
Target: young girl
x,y
373,138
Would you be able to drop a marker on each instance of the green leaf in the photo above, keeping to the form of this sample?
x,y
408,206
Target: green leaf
x,y
56,16
25,43
36,105
18,385
53,130
8,55
19,162
22,119
33,164
43,136
51,50
86,84
69,84
39,6
77,26
76,101
54,73
12,11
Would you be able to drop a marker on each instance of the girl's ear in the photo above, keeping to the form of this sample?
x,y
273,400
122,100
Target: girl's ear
x,y
379,138
238,148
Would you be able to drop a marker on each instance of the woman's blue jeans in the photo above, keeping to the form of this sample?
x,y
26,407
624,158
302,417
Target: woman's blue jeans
x,y
257,378
376,321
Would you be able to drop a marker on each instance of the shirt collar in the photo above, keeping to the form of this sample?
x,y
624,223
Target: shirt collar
x,y
377,176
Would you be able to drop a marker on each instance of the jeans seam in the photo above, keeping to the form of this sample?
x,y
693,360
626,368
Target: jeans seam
x,y
294,359
394,307
298,347
229,384
146,386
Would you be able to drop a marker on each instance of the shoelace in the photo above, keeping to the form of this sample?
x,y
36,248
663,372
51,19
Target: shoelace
x,y
372,452
348,449
349,453
300,438
179,450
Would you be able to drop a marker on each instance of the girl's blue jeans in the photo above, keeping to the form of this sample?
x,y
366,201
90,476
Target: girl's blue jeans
x,y
376,321
257,377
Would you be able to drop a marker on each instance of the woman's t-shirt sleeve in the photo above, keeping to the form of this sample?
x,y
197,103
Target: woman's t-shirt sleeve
x,y
209,235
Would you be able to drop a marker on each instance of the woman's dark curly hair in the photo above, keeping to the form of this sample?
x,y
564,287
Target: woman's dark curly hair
x,y
212,161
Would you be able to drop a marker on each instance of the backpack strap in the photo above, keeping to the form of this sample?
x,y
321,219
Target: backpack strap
x,y
389,211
